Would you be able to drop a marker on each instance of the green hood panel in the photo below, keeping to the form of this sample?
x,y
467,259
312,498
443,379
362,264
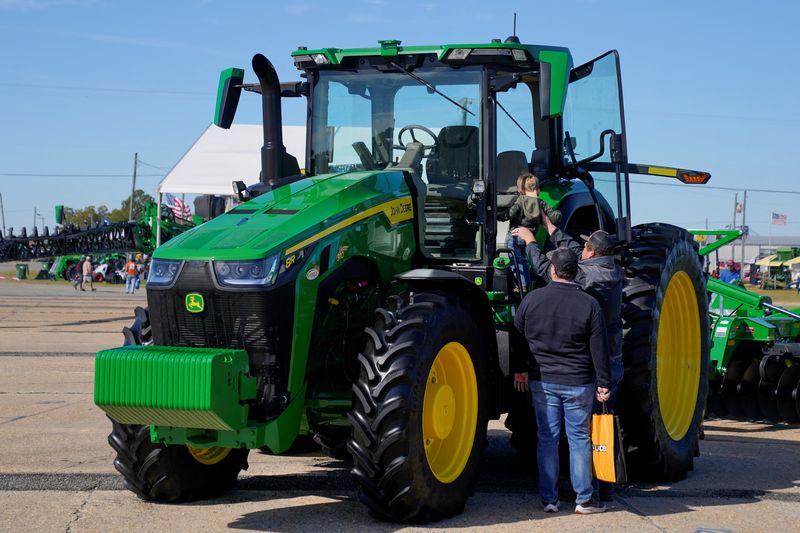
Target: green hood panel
x,y
288,215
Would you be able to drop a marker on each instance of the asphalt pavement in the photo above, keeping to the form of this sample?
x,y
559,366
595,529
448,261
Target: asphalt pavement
x,y
57,474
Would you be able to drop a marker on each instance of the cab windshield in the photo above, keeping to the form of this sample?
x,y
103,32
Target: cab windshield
x,y
369,120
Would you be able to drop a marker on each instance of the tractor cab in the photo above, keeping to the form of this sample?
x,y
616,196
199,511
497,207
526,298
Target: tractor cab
x,y
463,122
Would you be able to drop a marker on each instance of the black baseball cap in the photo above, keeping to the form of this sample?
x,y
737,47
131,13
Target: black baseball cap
x,y
565,261
601,241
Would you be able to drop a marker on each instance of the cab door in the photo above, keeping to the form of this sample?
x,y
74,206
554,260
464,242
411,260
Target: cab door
x,y
594,129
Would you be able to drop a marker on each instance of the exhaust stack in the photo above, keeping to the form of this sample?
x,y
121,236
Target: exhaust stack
x,y
272,153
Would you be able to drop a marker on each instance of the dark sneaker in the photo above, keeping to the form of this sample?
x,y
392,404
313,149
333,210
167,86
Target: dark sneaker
x,y
551,507
591,507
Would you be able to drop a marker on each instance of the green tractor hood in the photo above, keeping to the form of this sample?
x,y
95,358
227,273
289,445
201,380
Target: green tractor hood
x,y
294,216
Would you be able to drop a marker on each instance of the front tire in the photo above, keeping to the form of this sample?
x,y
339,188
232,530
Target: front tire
x,y
157,472
665,350
420,409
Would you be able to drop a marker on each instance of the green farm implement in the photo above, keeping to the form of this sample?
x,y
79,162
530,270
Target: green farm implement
x,y
755,351
368,303
70,241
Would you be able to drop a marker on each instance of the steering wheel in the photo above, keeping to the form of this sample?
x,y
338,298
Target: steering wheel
x,y
410,128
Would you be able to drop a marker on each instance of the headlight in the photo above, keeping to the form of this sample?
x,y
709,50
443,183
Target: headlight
x,y
258,273
163,271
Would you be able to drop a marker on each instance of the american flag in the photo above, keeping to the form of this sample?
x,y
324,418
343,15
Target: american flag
x,y
179,208
778,218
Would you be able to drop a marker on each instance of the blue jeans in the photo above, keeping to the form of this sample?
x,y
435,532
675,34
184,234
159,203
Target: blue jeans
x,y
551,402
517,247
130,283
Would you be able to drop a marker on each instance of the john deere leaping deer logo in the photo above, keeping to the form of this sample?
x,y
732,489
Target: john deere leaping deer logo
x,y
195,303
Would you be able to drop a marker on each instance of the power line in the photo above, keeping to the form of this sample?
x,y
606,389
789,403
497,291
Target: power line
x,y
151,166
635,182
704,187
36,175
105,89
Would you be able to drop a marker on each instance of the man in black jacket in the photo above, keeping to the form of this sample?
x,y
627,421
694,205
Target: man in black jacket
x,y
567,371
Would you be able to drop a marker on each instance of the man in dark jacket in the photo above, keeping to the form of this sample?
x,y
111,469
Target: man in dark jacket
x,y
598,274
567,371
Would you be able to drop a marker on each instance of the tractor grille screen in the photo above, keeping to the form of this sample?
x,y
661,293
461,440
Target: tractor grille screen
x,y
258,321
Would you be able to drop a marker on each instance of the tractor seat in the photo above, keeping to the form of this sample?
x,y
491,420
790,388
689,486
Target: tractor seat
x,y
455,157
510,165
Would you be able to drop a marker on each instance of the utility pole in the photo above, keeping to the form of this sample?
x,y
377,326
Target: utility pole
x,y
34,217
744,235
133,185
733,226
3,215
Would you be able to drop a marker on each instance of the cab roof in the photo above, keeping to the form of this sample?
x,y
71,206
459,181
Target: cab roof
x,y
443,52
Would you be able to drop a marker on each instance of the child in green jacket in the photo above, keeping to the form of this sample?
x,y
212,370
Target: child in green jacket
x,y
527,211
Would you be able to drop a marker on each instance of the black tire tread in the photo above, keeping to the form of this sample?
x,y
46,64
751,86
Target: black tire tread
x,y
389,369
654,249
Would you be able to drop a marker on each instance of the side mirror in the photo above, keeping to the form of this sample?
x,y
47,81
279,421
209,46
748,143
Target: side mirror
x,y
228,93
60,215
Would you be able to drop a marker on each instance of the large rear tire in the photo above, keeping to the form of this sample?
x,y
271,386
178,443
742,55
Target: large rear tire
x,y
666,352
420,409
157,472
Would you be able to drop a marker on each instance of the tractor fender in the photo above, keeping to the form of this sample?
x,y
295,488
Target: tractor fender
x,y
444,281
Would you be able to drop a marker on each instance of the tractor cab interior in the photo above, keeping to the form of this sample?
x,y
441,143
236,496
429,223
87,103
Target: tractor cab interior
x,y
371,120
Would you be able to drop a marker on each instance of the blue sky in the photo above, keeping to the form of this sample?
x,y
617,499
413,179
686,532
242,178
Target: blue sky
x,y
86,83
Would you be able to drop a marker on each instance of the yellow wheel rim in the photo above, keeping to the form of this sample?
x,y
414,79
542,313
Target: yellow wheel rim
x,y
450,412
678,356
209,456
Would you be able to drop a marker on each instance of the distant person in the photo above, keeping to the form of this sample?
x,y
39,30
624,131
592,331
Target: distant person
x,y
88,273
131,275
77,276
730,274
140,272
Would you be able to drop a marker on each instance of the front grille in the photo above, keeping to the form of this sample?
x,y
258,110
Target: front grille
x,y
258,321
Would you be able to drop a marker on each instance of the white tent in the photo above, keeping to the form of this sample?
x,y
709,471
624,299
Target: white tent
x,y
219,157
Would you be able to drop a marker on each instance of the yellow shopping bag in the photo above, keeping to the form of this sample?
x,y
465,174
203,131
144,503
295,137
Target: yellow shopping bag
x,y
608,455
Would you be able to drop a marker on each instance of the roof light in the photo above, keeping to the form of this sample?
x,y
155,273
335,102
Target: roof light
x,y
491,52
301,59
459,54
320,59
519,55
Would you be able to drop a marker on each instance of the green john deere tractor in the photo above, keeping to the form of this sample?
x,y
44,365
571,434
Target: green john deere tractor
x,y
368,302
